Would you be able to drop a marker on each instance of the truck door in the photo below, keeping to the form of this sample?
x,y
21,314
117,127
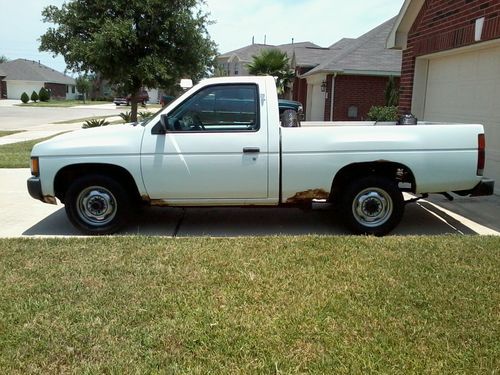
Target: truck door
x,y
215,147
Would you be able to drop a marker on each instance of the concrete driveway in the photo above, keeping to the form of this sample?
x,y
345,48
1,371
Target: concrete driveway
x,y
22,216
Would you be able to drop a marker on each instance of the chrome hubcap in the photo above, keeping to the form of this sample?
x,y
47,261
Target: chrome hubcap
x,y
96,205
372,207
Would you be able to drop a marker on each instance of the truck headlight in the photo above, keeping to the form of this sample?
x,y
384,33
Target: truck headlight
x,y
35,166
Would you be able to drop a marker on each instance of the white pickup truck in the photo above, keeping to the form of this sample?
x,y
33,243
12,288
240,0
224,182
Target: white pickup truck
x,y
221,144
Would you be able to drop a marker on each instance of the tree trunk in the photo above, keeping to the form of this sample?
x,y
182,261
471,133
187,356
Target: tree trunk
x,y
133,106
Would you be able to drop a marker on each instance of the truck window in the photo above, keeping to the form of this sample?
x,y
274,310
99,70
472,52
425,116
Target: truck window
x,y
218,108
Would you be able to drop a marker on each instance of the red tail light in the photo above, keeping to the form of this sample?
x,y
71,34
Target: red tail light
x,y
481,154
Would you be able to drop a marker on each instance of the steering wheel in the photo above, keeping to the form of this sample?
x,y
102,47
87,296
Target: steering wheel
x,y
195,123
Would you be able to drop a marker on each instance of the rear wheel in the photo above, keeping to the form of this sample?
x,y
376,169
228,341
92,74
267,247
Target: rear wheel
x,y
372,205
97,204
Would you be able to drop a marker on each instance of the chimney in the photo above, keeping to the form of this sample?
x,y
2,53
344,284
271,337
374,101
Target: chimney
x,y
292,40
253,39
265,38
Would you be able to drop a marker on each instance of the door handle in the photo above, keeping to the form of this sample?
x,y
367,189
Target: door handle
x,y
249,150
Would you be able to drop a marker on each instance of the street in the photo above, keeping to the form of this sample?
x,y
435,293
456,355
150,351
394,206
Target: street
x,y
14,117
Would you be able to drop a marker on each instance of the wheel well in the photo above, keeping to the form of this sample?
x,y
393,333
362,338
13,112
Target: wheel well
x,y
395,171
69,173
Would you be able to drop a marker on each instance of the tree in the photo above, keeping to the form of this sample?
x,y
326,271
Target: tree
x,y
3,59
43,95
34,96
136,43
83,85
275,63
25,98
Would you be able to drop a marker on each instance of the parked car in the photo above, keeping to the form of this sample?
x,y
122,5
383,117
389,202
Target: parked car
x,y
221,144
143,99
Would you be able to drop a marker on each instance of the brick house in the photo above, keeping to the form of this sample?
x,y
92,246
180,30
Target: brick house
x,y
352,77
27,76
234,63
352,72
451,65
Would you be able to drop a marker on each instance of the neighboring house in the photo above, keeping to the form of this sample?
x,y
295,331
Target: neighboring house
x,y
348,78
451,65
235,63
27,76
341,82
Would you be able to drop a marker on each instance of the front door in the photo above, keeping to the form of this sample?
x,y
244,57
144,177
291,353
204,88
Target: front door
x,y
215,148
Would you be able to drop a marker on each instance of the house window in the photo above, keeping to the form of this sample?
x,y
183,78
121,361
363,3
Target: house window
x,y
352,112
72,89
218,108
236,69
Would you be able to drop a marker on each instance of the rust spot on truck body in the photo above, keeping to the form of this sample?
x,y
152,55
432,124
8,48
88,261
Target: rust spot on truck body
x,y
158,203
308,196
49,199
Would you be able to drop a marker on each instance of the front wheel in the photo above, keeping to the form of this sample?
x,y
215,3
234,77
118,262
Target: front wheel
x,y
97,205
372,205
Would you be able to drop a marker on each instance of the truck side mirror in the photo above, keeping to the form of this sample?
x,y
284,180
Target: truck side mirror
x,y
162,126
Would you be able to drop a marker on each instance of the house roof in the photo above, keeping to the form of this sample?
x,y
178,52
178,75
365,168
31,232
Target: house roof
x,y
28,70
245,54
367,54
342,43
398,36
2,74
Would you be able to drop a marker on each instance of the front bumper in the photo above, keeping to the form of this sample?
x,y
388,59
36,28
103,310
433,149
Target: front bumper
x,y
485,187
35,190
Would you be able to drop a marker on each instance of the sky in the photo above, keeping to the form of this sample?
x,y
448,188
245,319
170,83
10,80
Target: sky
x,y
322,22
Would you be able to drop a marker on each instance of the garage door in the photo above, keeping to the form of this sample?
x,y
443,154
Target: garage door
x,y
16,88
465,87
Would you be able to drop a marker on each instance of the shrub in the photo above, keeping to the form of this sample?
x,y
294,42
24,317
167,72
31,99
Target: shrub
x,y
382,113
145,114
126,116
34,96
94,123
44,95
25,98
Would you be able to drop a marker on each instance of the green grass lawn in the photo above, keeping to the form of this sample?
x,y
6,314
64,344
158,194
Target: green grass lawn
x,y
273,305
17,155
3,133
61,103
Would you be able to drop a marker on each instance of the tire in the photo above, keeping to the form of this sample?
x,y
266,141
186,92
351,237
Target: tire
x,y
372,205
97,205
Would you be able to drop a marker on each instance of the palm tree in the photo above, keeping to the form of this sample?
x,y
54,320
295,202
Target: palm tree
x,y
275,63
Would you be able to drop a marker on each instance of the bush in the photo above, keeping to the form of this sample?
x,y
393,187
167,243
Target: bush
x,y
25,98
34,96
94,123
145,114
382,113
44,95
126,116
